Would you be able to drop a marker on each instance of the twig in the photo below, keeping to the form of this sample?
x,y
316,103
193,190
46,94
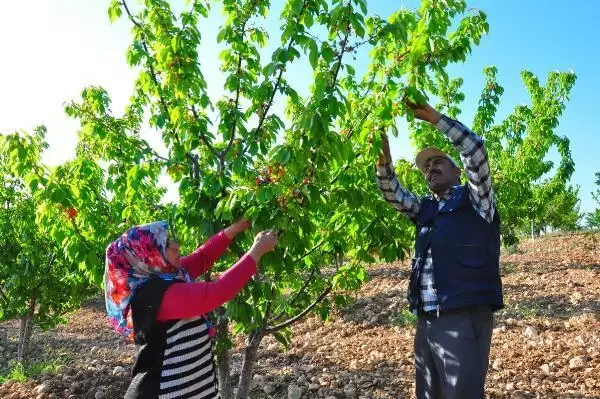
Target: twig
x,y
203,137
85,241
273,93
4,297
154,77
297,295
291,321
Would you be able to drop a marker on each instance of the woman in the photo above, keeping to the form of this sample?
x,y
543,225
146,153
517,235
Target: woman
x,y
152,298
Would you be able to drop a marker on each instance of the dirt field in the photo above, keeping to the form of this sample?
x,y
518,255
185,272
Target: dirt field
x,y
546,342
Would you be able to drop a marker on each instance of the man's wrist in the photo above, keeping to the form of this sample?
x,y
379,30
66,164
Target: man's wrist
x,y
385,170
435,117
382,161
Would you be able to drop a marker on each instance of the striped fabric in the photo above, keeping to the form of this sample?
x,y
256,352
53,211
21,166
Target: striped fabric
x,y
188,369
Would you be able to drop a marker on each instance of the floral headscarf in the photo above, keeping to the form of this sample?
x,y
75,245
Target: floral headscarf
x,y
131,260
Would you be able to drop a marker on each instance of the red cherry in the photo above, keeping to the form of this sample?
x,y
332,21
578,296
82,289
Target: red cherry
x,y
72,213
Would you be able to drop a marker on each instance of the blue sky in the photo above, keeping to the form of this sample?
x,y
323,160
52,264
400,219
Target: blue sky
x,y
53,48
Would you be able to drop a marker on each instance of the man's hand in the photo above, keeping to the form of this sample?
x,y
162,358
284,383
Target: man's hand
x,y
424,112
386,155
236,228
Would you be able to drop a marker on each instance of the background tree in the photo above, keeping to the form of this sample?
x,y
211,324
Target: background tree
x,y
529,188
56,223
556,207
593,218
38,283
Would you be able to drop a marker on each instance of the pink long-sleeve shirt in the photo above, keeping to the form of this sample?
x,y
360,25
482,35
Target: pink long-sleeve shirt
x,y
187,300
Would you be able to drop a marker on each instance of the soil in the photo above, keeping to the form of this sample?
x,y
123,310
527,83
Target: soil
x,y
546,341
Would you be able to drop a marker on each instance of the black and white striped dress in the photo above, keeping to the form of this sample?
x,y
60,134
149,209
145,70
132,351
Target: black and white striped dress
x,y
175,358
188,369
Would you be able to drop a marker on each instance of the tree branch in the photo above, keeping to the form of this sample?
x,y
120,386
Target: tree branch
x,y
297,294
154,76
85,241
236,104
130,15
203,137
273,93
291,321
340,57
313,249
347,166
266,110
147,148
267,312
4,296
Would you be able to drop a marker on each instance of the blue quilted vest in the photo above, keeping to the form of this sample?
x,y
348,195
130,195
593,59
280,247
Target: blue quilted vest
x,y
466,254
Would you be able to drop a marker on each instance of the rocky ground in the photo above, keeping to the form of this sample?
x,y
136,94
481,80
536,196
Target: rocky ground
x,y
546,342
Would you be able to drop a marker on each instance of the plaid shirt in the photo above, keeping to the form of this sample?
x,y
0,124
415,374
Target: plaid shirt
x,y
474,158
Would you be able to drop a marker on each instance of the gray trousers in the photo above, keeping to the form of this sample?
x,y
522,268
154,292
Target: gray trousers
x,y
452,354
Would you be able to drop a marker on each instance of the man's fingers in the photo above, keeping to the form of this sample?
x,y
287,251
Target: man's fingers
x,y
410,103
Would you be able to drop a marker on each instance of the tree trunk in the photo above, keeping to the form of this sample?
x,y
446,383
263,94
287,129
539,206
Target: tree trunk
x,y
22,328
224,358
248,363
25,331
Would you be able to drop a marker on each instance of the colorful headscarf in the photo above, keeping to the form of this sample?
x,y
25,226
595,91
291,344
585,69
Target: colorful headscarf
x,y
131,260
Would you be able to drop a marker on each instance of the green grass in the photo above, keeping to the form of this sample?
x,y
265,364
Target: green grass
x,y
404,318
528,310
21,373
507,268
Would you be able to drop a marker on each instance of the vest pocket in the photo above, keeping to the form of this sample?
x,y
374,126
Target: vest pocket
x,y
473,256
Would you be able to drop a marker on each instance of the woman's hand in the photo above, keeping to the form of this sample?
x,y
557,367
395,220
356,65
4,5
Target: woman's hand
x,y
264,242
232,231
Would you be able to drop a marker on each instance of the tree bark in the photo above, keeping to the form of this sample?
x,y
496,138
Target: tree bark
x,y
25,331
248,363
224,358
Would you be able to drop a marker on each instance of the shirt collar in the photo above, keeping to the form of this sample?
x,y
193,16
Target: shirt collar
x,y
447,195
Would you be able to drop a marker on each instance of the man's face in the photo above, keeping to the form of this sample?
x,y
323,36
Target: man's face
x,y
172,253
440,174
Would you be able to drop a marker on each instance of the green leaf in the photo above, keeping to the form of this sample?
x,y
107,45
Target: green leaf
x,y
313,54
415,96
114,10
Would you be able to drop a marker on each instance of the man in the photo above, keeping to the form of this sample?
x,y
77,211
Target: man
x,y
455,280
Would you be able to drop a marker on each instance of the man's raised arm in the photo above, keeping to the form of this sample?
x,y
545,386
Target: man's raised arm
x,y
393,192
472,153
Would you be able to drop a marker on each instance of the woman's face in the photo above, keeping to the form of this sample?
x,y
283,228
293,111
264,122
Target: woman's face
x,y
172,253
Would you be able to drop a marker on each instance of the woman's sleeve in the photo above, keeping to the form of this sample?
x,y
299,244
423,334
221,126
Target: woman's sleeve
x,y
205,255
186,300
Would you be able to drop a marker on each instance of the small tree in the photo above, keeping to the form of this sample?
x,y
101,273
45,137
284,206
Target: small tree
x,y
56,223
38,284
556,206
593,218
526,185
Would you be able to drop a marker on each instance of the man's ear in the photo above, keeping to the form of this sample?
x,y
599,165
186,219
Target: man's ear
x,y
458,173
